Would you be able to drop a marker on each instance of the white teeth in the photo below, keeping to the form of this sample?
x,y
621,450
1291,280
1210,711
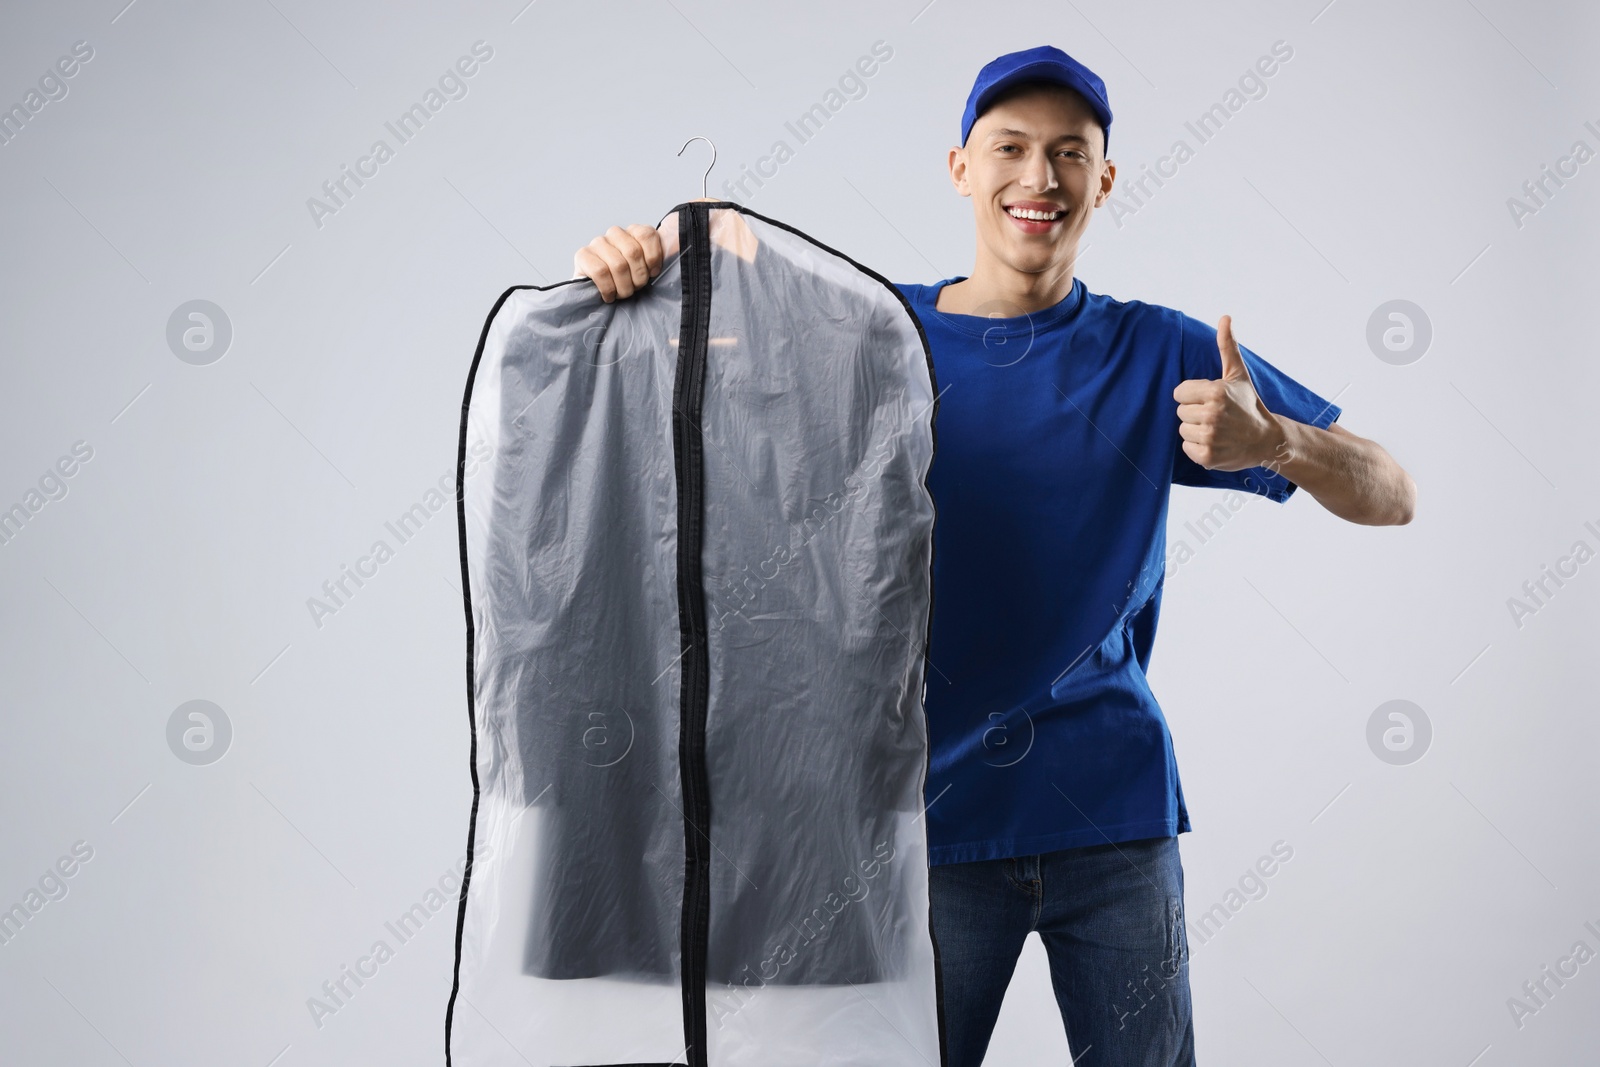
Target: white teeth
x,y
1036,216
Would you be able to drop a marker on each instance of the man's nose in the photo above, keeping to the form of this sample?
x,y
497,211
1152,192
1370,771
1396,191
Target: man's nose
x,y
1039,174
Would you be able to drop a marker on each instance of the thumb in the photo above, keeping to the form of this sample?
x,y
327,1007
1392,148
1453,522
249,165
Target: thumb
x,y
1233,368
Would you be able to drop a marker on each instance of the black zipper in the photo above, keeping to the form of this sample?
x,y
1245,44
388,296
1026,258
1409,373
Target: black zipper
x,y
694,232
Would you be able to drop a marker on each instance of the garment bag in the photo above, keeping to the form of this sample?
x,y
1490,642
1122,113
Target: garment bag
x,y
697,546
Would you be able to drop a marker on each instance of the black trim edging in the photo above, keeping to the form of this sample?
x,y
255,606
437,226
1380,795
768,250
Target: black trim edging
x,y
466,594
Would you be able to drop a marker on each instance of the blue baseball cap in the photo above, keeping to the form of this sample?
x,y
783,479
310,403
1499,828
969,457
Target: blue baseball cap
x,y
1047,63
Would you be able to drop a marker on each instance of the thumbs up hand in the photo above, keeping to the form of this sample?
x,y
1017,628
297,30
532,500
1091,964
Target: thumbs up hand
x,y
1223,423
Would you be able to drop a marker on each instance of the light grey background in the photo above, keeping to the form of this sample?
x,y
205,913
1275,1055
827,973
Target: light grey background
x,y
220,497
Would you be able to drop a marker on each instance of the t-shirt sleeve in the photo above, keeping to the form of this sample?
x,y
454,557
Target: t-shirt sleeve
x,y
1280,393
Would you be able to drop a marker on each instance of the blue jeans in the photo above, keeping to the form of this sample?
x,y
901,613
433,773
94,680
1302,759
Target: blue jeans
x,y
1111,919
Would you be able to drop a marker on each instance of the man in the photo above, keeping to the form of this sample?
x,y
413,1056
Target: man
x,y
1064,418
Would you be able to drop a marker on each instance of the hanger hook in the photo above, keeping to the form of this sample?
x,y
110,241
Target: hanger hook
x,y
707,176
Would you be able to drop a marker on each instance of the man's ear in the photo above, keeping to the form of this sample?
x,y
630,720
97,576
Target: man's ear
x,y
1108,178
958,171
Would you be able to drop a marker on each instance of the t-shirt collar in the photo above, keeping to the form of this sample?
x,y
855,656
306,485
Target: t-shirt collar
x,y
1004,326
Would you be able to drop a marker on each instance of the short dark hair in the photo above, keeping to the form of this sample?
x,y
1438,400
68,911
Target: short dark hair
x,y
1027,85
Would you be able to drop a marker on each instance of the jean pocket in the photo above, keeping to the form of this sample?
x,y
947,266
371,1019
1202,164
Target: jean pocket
x,y
1177,950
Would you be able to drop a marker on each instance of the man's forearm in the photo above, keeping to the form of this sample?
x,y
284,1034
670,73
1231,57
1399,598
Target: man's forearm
x,y
1351,476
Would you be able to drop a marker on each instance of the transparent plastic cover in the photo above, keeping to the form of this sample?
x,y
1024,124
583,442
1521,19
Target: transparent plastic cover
x,y
697,541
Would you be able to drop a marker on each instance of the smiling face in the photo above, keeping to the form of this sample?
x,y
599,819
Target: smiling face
x,y
1035,168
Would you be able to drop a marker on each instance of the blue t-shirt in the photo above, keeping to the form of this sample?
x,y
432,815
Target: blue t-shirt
x,y
1056,443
